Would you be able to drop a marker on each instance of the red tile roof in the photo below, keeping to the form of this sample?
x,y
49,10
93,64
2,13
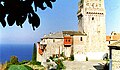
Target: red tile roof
x,y
113,38
107,38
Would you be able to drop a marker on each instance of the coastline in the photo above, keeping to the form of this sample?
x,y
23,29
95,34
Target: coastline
x,y
19,50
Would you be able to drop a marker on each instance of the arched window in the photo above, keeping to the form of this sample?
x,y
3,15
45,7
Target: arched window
x,y
81,39
92,18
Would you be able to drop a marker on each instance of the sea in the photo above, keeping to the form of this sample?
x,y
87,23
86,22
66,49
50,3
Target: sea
x,y
22,51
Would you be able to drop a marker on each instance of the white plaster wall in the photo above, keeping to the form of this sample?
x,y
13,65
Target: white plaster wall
x,y
39,57
95,55
79,57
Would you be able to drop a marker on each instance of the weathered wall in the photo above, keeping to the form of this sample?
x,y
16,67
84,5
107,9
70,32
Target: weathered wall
x,y
39,57
116,59
78,45
93,24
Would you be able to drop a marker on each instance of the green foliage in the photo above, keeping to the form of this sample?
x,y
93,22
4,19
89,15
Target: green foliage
x,y
72,57
51,58
82,1
19,67
56,56
14,60
34,53
62,54
60,64
23,62
35,63
107,60
65,58
28,68
47,60
19,10
8,64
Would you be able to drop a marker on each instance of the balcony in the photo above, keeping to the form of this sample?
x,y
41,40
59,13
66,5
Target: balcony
x,y
67,41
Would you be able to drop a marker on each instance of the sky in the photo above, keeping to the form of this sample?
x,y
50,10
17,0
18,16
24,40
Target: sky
x,y
63,16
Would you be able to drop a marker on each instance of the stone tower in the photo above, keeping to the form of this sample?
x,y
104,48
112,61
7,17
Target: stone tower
x,y
91,16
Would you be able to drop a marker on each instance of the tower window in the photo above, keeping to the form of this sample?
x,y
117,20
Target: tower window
x,y
53,40
92,18
81,39
109,42
115,34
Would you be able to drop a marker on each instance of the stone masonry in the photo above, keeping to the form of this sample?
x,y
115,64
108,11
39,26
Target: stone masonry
x,y
91,16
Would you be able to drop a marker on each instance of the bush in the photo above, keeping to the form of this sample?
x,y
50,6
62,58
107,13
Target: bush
x,y
19,67
8,64
72,57
29,68
56,56
34,53
51,58
65,58
24,61
60,64
35,63
14,60
47,60
62,54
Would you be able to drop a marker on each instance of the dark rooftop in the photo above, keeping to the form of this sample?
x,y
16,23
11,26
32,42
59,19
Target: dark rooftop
x,y
60,35
115,45
73,33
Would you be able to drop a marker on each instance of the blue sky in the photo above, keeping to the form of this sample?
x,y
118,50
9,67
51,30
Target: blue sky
x,y
62,17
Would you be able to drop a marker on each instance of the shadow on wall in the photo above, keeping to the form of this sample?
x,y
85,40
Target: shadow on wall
x,y
101,67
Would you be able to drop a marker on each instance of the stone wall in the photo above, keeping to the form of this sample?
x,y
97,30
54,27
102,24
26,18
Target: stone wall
x,y
54,47
79,44
92,22
116,59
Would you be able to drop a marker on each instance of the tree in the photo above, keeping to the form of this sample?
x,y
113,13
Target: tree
x,y
19,10
34,53
14,60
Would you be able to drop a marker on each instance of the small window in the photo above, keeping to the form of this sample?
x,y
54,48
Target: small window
x,y
92,18
81,39
115,34
53,40
66,40
69,40
109,42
